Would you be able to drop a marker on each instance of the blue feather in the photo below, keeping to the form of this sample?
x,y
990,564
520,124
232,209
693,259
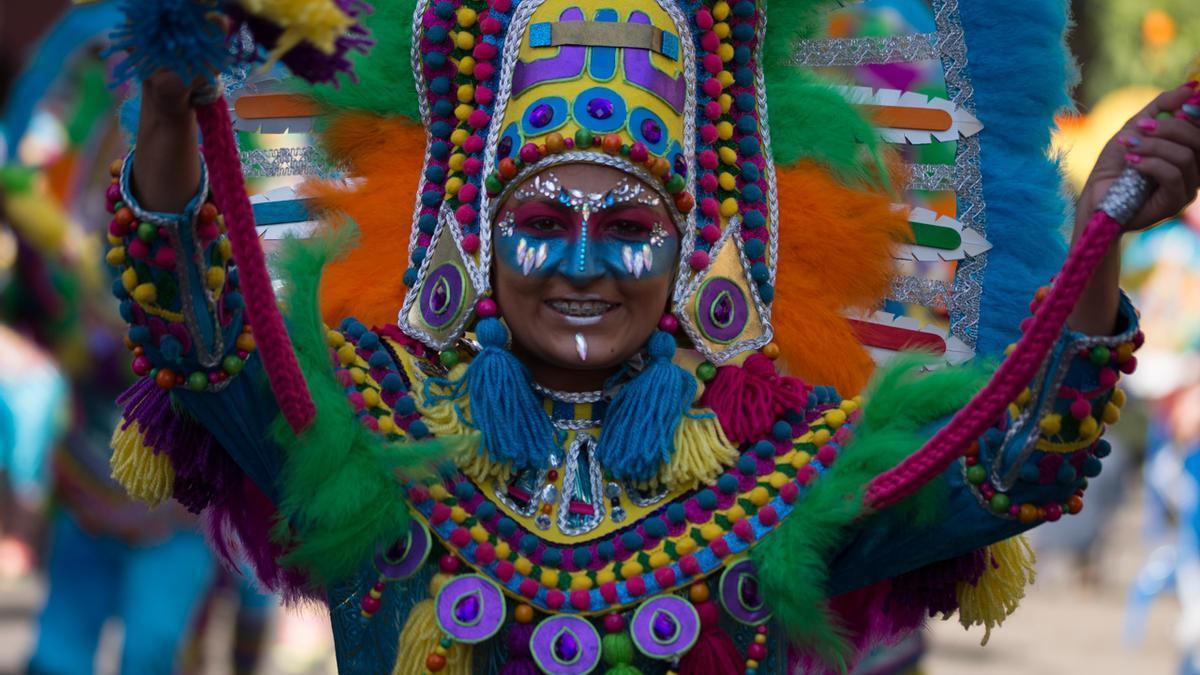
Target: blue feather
x,y
1020,70
176,35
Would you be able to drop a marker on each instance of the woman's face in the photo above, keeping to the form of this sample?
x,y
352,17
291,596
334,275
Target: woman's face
x,y
585,257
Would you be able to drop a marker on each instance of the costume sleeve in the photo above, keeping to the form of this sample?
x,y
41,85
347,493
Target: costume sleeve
x,y
178,290
1031,467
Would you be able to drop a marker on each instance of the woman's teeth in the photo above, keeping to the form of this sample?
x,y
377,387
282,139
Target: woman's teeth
x,y
580,308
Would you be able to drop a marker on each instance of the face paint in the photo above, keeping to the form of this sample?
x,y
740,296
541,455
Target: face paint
x,y
556,229
581,346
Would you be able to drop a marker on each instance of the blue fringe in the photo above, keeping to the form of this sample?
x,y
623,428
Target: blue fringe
x,y
1020,70
514,426
639,429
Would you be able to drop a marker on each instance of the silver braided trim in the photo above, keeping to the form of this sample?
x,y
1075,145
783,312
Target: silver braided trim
x,y
275,162
921,291
1126,196
866,50
570,396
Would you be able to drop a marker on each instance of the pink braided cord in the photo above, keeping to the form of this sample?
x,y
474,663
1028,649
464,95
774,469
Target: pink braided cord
x,y
229,192
1013,375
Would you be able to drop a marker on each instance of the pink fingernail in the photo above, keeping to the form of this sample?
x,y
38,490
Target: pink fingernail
x,y
1147,124
1129,141
1193,84
1133,158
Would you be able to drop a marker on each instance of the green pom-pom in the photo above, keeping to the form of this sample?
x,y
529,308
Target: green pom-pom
x,y
976,474
706,371
1000,502
197,381
1100,355
618,652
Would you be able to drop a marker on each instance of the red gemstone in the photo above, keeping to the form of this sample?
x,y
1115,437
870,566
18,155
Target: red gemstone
x,y
369,604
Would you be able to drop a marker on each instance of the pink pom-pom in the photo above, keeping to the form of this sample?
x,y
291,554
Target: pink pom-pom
x,y
581,600
665,576
484,95
713,87
504,570
484,71
472,166
710,42
638,153
805,474
689,565
1080,408
768,516
356,400
743,530
555,599
614,623
704,19
473,145
470,243
489,26
528,588
164,257
708,182
708,160
424,239
1129,365
1107,377
789,492
113,193
608,591
698,260
137,249
500,5
486,307
708,133
465,214
719,547
636,586
478,119
712,110
440,514
713,64
710,233
468,192
826,455
141,365
370,422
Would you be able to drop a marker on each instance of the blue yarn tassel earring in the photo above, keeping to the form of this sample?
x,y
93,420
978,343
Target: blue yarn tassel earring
x,y
639,429
511,420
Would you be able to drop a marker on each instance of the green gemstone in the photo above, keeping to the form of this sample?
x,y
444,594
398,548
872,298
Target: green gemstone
x,y
676,184
624,149
706,371
232,364
449,358
493,184
583,139
446,643
147,232
197,381
1000,502
976,474
1100,355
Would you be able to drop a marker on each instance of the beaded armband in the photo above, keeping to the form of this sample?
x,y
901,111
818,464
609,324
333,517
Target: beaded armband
x,y
1050,443
178,288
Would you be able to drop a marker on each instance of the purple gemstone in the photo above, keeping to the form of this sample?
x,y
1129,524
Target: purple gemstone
x,y
505,147
651,131
748,592
541,116
466,609
680,165
440,296
566,647
398,549
664,626
723,310
600,108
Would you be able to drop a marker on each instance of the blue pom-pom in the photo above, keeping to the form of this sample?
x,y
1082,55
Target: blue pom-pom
x,y
655,528
755,248
551,557
405,405
418,429
676,513
410,277
392,382
581,556
485,510
606,550
175,35
749,170
506,527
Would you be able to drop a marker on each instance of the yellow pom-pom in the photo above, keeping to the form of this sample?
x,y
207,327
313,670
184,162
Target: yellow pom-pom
x,y
1124,352
726,102
466,17
729,207
735,513
549,578
1118,398
334,339
725,51
458,137
778,479
721,29
145,294
357,375
1112,414
503,550
724,130
319,22
581,582
225,249
720,10
727,155
438,492
458,514
479,533
685,546
848,405
1088,427
727,181
463,110
835,418
465,41
214,278
346,354
523,566
115,256
725,78
659,559
1023,397
1051,424
759,496
386,425
466,65
129,279
457,160
821,437
452,186
606,576
630,569
711,531
370,397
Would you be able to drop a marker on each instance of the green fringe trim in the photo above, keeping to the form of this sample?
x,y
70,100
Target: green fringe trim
x,y
339,498
902,404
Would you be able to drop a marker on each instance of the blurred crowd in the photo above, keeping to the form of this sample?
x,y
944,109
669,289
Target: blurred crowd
x,y
125,587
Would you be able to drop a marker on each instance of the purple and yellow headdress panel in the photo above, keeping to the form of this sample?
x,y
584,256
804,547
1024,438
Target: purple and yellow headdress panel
x,y
666,90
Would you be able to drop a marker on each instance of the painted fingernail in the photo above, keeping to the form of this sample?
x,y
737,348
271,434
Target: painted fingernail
x,y
1130,141
1147,124
1192,110
1133,158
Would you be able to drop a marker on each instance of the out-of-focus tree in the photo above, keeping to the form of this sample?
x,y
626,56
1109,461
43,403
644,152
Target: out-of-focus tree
x,y
1122,43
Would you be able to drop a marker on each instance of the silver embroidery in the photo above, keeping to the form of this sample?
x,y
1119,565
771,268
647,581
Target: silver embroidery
x,y
581,454
658,235
275,162
866,50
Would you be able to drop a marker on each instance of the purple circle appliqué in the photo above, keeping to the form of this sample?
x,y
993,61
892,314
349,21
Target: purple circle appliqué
x,y
442,295
406,556
565,645
665,627
722,310
739,594
470,608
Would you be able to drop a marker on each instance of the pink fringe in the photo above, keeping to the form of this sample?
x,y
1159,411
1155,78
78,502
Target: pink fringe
x,y
229,192
714,652
749,399
1014,373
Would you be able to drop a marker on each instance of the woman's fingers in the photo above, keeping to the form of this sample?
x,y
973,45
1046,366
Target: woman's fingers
x,y
1181,156
1172,191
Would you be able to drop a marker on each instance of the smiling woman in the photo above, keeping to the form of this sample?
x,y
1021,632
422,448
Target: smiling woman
x,y
586,258
603,253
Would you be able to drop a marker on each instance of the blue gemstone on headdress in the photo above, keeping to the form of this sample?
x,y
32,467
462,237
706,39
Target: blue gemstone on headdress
x,y
600,108
541,116
651,131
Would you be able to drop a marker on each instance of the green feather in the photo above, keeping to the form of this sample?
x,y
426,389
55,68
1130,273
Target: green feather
x,y
339,500
793,562
386,84
809,118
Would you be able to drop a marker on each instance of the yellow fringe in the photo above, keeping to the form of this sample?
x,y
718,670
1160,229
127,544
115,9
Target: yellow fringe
x,y
444,421
146,475
421,636
319,22
701,453
1009,569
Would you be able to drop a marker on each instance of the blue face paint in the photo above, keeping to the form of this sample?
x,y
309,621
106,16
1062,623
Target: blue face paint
x,y
584,236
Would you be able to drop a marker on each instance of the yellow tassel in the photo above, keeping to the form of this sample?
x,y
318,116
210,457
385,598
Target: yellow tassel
x,y
421,636
319,22
701,453
1009,569
146,475
445,419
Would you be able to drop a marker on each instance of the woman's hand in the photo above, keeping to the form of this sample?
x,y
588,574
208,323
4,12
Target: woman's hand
x,y
166,164
1166,150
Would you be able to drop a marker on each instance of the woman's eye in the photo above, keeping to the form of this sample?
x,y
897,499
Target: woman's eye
x,y
628,228
543,225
